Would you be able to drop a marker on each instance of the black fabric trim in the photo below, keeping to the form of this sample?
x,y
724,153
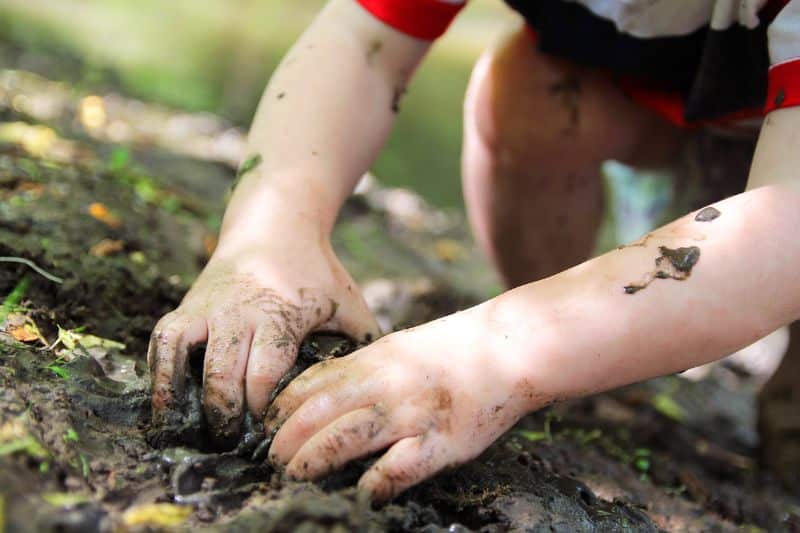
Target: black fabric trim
x,y
732,74
716,72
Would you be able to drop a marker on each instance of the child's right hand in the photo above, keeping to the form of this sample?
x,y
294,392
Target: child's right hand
x,y
253,305
274,278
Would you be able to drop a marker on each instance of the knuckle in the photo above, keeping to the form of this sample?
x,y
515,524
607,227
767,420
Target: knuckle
x,y
166,333
263,377
331,444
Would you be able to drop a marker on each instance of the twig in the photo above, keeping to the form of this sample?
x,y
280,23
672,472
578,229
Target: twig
x,y
33,266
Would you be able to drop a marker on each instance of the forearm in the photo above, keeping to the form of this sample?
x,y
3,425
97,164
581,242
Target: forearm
x,y
323,118
584,333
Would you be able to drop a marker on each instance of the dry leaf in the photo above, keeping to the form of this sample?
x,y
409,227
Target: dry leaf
x,y
448,250
156,515
24,333
101,212
107,247
92,112
72,338
22,328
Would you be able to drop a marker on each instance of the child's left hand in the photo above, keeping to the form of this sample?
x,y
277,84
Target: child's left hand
x,y
436,396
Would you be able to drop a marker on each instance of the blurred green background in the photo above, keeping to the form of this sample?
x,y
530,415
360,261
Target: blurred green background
x,y
217,55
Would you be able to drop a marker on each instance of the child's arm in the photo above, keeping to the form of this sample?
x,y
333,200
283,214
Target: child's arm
x,y
274,276
323,118
441,393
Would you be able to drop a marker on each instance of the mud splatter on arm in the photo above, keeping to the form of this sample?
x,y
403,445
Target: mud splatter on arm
x,y
707,214
672,263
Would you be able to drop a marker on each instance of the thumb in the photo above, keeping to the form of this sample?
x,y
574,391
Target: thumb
x,y
275,344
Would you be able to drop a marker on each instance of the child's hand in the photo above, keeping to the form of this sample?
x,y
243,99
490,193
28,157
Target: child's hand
x,y
253,304
437,395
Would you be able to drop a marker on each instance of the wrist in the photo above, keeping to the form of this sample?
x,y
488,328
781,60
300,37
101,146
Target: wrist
x,y
259,215
523,338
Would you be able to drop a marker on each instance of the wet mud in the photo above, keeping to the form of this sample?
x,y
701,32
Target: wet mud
x,y
707,214
674,264
79,450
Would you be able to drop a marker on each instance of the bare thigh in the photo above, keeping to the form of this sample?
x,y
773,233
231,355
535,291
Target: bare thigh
x,y
537,129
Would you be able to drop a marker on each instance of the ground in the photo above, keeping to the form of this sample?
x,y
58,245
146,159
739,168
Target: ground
x,y
97,241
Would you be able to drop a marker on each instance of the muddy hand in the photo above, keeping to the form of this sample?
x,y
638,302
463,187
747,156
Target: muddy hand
x,y
252,306
435,396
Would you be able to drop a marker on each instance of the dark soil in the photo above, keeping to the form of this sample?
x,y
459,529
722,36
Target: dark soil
x,y
667,455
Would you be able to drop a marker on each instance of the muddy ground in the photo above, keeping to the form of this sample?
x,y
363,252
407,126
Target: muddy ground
x,y
97,241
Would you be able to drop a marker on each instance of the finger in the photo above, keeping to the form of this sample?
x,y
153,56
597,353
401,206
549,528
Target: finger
x,y
408,462
354,435
317,412
270,359
223,376
354,319
167,356
310,382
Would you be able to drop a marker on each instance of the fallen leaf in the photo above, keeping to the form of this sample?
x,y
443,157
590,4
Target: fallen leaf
x,y
24,333
92,112
31,189
138,257
107,247
22,328
664,404
534,436
448,250
64,499
156,515
14,437
71,338
100,212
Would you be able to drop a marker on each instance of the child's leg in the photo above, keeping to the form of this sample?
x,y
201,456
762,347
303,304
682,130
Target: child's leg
x,y
537,129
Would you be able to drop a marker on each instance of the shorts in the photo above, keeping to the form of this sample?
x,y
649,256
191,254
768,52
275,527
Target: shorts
x,y
705,76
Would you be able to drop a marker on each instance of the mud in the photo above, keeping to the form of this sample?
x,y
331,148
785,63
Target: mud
x,y
373,50
75,415
397,98
674,264
707,214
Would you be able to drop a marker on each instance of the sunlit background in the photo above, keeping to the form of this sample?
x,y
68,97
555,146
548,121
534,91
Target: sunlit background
x,y
216,55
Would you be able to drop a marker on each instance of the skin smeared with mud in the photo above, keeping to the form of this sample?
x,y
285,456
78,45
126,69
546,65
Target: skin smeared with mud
x,y
319,347
373,50
184,422
707,214
397,98
220,411
674,264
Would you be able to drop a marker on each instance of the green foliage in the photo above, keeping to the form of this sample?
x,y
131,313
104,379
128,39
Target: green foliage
x,y
65,499
71,436
12,301
26,444
119,159
534,436
59,371
641,459
249,164
666,405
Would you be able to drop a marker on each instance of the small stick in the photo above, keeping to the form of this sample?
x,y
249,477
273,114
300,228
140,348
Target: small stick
x,y
33,266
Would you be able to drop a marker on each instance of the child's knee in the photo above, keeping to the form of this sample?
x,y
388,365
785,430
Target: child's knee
x,y
511,108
